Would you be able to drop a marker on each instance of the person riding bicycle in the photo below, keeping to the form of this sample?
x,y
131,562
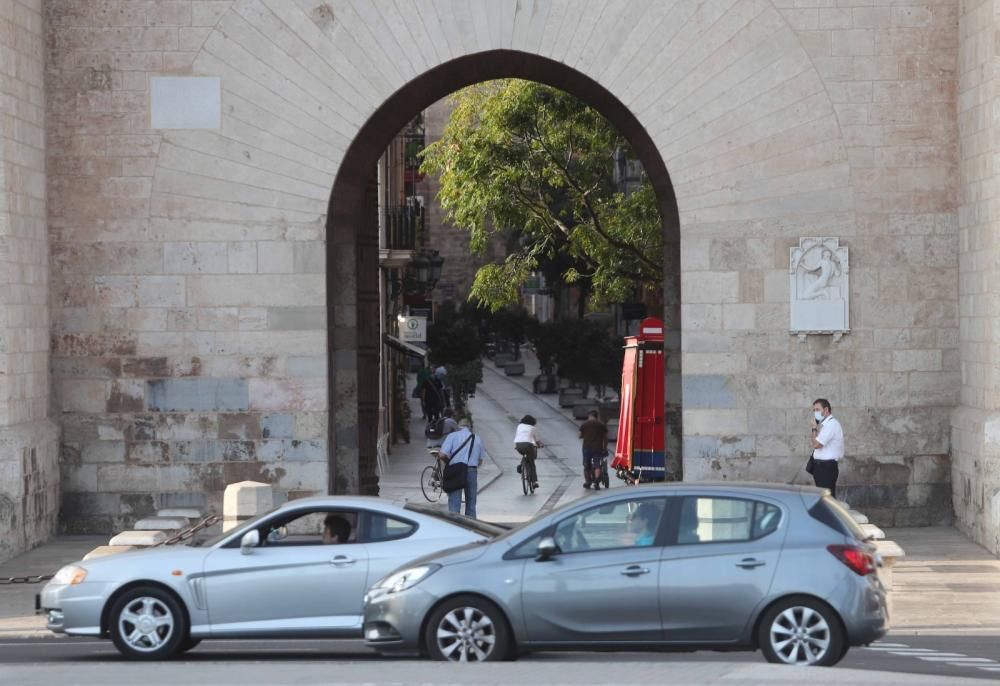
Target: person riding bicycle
x,y
526,442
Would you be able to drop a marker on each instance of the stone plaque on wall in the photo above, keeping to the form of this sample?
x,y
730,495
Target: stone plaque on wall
x,y
819,289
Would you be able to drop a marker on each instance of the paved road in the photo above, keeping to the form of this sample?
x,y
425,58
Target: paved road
x,y
54,660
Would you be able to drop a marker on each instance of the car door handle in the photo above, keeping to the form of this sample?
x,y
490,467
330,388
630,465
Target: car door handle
x,y
342,561
635,570
750,563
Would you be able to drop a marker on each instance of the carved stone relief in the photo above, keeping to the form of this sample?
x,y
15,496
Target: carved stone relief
x,y
819,287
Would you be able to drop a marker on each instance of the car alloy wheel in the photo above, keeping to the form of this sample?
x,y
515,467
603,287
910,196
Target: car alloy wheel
x,y
147,623
800,636
467,629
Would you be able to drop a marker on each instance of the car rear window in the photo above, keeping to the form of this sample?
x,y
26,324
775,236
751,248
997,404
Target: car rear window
x,y
480,527
829,511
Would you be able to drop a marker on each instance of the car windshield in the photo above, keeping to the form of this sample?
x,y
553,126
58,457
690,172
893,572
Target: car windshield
x,y
475,525
845,517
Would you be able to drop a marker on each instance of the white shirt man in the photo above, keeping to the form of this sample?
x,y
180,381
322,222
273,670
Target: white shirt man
x,y
828,446
831,439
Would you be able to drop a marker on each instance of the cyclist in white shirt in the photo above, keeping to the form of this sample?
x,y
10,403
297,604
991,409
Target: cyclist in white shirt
x,y
526,442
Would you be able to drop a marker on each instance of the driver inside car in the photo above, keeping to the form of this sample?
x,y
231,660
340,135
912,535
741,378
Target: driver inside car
x,y
336,529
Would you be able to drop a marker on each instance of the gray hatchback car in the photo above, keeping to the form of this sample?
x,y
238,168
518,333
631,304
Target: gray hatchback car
x,y
782,569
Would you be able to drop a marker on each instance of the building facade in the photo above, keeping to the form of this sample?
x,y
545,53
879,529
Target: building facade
x,y
189,235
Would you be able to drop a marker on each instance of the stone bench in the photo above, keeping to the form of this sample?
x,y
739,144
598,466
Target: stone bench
x,y
185,512
138,539
582,408
873,532
161,524
103,550
889,553
501,359
569,396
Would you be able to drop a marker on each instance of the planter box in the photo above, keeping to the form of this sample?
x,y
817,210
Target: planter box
x,y
613,431
514,369
609,410
583,407
501,359
569,396
545,383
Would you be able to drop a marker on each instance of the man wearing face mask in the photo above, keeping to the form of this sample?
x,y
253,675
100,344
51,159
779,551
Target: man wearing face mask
x,y
828,446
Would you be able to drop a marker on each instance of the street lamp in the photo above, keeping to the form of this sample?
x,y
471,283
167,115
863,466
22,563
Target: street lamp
x,y
421,264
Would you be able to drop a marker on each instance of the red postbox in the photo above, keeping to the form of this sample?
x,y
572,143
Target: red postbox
x,y
640,453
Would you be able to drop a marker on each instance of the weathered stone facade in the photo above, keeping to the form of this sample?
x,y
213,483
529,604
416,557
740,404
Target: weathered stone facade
x,y
976,422
29,448
190,316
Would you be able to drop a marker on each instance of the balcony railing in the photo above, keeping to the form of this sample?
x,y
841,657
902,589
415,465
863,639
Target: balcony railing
x,y
403,224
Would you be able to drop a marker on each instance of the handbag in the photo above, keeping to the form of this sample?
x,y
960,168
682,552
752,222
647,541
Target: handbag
x,y
810,464
454,476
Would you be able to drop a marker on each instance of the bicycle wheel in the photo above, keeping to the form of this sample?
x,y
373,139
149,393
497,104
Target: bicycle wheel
x,y
525,484
430,483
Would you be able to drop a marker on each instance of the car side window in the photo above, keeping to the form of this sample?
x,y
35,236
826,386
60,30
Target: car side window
x,y
623,524
309,528
380,527
706,519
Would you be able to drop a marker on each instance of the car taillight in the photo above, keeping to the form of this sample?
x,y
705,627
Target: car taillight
x,y
859,561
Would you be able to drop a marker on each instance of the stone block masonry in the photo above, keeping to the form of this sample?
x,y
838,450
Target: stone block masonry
x,y
29,440
181,281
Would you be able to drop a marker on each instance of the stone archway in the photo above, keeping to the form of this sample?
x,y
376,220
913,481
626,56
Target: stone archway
x,y
352,292
199,337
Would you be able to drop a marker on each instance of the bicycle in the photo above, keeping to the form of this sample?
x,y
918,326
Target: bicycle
x,y
432,478
527,485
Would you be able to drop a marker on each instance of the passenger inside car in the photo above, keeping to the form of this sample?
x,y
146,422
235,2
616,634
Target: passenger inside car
x,y
645,522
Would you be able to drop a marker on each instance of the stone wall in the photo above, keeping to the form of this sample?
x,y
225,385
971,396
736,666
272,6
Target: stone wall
x,y
189,346
883,166
29,468
976,423
189,329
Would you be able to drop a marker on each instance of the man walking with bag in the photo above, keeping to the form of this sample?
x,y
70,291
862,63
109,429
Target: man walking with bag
x,y
828,446
462,451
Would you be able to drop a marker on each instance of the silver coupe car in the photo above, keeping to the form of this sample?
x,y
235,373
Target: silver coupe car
x,y
300,570
695,566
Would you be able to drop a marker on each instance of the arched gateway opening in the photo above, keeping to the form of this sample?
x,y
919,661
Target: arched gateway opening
x,y
352,252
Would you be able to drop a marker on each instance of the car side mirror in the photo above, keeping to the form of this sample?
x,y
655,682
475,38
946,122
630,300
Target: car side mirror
x,y
250,540
546,549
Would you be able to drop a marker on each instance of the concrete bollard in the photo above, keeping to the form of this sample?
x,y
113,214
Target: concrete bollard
x,y
161,524
138,539
890,552
245,500
103,550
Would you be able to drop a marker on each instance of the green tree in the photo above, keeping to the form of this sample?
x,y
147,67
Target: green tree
x,y
526,159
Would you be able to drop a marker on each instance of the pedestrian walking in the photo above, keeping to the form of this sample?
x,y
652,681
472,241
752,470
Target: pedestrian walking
x,y
423,376
433,399
463,447
828,446
594,433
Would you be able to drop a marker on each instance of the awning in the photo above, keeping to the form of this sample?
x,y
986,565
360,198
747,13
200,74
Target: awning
x,y
404,347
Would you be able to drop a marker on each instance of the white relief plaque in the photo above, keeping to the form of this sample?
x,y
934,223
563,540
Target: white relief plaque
x,y
185,102
819,289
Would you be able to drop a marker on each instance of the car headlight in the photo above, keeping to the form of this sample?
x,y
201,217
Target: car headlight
x,y
70,575
406,578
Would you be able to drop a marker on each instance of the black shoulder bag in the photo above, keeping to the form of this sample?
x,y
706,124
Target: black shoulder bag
x,y
454,475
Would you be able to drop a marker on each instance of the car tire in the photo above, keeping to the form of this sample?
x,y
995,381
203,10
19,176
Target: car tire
x,y
147,623
468,629
188,644
801,631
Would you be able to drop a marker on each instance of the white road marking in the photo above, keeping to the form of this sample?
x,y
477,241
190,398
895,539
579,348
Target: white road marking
x,y
943,657
879,644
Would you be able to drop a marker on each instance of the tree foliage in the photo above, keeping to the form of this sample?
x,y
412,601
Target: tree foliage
x,y
523,158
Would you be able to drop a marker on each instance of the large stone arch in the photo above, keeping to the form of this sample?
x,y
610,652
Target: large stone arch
x,y
774,122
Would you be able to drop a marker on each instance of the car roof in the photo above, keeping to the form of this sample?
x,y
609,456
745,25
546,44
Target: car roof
x,y
736,487
362,501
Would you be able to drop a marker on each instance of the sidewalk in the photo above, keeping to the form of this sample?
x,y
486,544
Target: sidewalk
x,y
945,586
